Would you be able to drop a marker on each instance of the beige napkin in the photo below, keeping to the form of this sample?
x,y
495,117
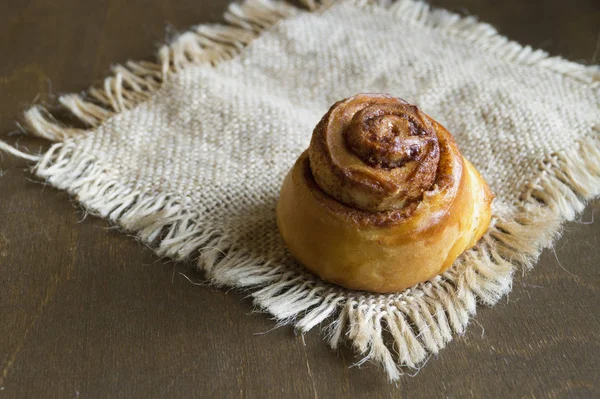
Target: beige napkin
x,y
190,152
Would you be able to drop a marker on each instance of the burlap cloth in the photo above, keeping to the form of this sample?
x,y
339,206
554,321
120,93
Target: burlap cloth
x,y
190,152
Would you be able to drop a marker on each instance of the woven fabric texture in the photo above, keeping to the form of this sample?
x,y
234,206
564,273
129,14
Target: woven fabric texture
x,y
190,153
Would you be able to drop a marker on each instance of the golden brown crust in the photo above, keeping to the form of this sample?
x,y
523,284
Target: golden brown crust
x,y
421,224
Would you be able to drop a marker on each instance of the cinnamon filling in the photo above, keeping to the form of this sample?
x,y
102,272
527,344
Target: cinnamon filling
x,y
375,153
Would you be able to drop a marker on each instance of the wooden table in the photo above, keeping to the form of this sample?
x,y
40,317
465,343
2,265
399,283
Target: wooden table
x,y
89,312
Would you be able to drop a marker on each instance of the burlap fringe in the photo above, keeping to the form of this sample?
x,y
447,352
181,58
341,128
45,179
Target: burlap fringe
x,y
392,330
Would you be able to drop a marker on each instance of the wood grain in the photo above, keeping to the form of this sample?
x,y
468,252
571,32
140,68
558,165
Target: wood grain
x,y
89,312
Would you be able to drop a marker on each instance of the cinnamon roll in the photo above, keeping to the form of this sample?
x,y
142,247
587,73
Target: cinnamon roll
x,y
382,199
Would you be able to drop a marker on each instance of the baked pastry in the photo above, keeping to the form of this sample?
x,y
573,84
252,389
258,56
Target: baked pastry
x,y
382,199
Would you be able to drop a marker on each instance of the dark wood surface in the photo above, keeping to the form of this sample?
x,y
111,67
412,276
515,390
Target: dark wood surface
x,y
88,312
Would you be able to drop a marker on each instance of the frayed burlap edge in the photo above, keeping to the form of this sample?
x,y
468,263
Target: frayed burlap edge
x,y
416,322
